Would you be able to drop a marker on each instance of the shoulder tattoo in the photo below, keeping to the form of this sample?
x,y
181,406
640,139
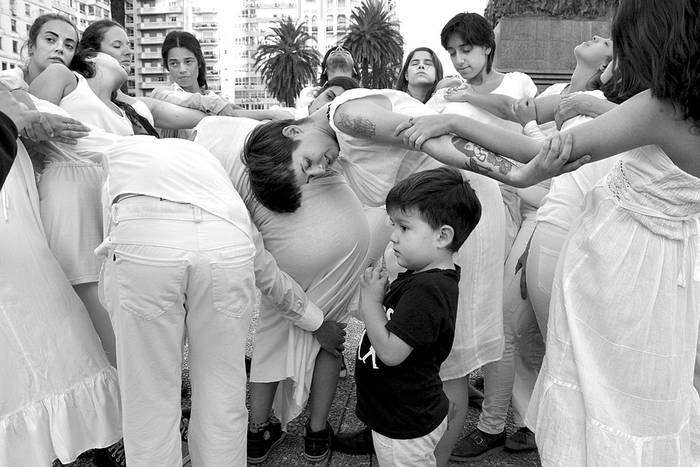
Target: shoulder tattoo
x,y
355,125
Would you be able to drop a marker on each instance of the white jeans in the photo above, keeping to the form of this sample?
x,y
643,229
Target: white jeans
x,y
514,375
408,452
172,270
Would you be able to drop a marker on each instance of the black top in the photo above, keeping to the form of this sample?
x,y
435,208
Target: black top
x,y
406,401
8,146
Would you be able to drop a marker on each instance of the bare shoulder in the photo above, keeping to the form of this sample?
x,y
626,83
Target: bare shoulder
x,y
57,72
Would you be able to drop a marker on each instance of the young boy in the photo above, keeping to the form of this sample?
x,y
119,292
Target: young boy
x,y
409,330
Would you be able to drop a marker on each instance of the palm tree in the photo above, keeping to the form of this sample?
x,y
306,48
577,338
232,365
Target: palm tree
x,y
375,43
285,60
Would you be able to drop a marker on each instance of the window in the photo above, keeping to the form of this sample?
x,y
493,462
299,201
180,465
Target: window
x,y
0,43
4,66
14,47
13,25
27,9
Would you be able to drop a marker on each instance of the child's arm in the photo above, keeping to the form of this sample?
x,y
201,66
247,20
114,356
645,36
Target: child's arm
x,y
389,348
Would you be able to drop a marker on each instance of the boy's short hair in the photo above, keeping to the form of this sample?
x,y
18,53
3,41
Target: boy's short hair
x,y
441,197
268,156
474,29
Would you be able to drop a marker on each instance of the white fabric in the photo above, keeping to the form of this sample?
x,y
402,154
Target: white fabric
x,y
173,270
58,395
322,246
372,169
84,105
513,376
408,452
616,386
560,207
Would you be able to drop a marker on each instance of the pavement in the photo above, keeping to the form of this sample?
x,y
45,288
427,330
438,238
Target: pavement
x,y
342,418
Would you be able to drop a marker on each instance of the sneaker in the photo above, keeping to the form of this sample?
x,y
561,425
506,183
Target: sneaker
x,y
477,445
355,442
260,444
112,456
317,444
184,432
521,441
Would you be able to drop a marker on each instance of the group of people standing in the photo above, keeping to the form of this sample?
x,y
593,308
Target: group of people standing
x,y
579,297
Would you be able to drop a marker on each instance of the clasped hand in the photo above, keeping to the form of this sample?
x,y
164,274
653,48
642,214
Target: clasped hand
x,y
417,130
331,336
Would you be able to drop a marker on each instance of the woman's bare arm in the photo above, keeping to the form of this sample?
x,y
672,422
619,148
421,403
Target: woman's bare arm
x,y
371,119
53,84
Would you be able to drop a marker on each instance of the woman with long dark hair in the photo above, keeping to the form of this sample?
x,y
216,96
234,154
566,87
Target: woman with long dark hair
x,y
420,73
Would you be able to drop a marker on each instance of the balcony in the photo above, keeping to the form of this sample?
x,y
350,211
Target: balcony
x,y
207,25
209,40
152,70
159,10
152,40
161,25
150,55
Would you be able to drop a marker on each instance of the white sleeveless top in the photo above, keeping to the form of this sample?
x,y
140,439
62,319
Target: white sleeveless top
x,y
84,105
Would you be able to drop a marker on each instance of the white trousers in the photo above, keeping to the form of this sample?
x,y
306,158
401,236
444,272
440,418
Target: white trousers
x,y
514,375
408,452
172,270
546,244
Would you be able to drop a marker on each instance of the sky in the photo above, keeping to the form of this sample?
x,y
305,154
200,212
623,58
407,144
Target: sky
x,y
422,21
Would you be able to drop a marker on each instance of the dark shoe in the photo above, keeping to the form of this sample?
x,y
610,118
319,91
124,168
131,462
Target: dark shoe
x,y
184,435
521,441
343,368
477,445
112,456
260,444
356,443
317,444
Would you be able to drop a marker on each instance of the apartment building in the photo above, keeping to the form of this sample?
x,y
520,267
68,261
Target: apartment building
x,y
17,16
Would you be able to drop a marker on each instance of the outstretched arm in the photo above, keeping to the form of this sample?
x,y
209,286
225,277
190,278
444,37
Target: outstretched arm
x,y
371,118
214,105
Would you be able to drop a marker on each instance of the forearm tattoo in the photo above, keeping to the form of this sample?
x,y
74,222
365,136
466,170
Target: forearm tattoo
x,y
480,160
354,125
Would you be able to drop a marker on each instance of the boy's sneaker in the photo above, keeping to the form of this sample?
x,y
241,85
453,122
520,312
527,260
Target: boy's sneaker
x,y
356,443
477,445
112,456
521,441
261,443
317,444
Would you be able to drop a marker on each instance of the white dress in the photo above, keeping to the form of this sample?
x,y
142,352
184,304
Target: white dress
x,y
70,187
58,395
616,387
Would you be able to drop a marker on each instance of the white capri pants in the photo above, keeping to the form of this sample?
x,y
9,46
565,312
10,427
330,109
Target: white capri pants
x,y
173,270
408,452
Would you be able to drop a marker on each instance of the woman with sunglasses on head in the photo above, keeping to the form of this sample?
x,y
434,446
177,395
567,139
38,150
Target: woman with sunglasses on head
x,y
337,62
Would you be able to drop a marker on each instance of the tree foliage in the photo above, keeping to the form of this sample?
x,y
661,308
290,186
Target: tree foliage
x,y
375,43
286,61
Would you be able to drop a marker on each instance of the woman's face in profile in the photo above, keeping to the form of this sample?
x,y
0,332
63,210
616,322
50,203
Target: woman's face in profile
x,y
325,97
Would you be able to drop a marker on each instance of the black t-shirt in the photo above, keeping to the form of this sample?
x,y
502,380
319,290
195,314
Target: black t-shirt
x,y
406,401
8,146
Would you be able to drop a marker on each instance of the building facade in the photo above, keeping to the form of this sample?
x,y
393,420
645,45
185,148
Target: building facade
x,y
17,16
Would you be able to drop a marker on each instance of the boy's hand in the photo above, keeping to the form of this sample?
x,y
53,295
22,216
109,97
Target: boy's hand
x,y
331,336
373,283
